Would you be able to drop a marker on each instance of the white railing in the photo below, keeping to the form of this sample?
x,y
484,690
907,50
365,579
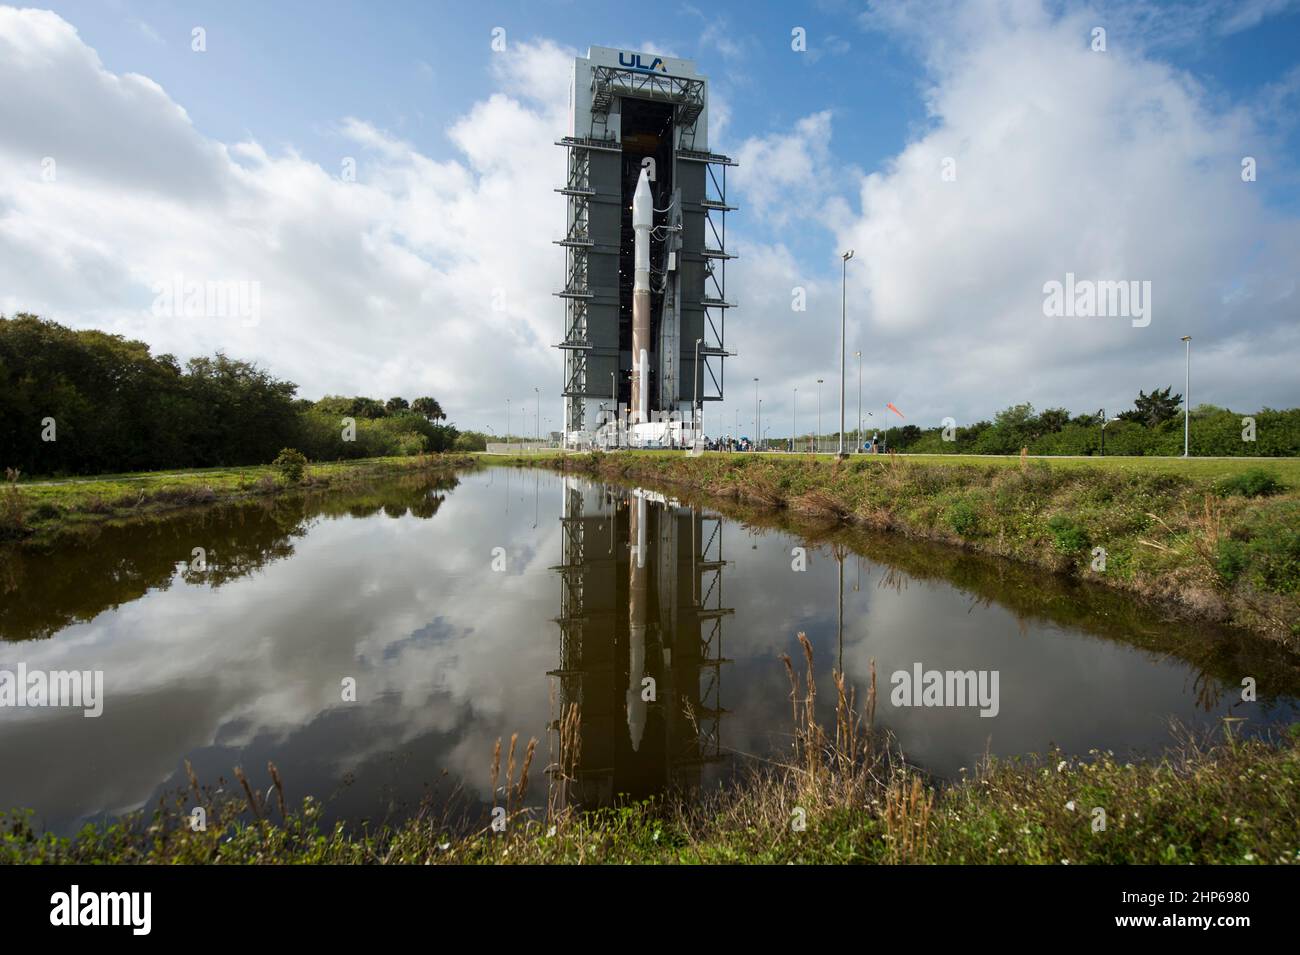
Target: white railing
x,y
521,447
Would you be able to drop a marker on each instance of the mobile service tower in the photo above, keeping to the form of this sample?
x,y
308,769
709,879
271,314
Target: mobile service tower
x,y
644,334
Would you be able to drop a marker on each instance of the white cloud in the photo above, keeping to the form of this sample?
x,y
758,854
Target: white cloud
x,y
385,285
1108,165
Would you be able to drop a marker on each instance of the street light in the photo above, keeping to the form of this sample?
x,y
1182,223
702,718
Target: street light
x,y
858,433
538,392
844,298
507,423
818,445
756,416
695,414
1187,399
1105,421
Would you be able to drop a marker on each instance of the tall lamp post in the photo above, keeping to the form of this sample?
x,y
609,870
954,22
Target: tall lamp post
x,y
844,298
538,392
695,410
759,439
507,422
857,434
756,418
818,445
613,394
1187,399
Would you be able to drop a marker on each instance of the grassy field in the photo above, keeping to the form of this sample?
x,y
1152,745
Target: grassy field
x,y
38,511
1215,539
1196,469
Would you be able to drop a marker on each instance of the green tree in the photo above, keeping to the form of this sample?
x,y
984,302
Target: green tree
x,y
1154,409
1052,420
429,408
395,405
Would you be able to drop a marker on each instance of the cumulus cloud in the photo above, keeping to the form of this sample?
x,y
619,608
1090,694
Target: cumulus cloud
x,y
436,275
419,276
1112,166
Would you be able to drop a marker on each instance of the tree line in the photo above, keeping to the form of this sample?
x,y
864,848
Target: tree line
x,y
87,402
1153,426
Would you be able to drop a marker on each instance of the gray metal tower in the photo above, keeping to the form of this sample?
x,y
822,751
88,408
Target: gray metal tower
x,y
631,110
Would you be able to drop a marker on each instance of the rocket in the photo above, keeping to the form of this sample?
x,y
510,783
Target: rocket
x,y
642,223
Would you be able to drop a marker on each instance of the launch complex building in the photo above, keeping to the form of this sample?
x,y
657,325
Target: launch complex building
x,y
644,340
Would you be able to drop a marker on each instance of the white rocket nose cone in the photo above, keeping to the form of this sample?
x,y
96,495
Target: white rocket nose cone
x,y
642,203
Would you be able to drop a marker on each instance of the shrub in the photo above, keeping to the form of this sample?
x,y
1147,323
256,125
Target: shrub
x,y
1067,536
1253,482
1266,555
291,464
963,519
470,441
1231,559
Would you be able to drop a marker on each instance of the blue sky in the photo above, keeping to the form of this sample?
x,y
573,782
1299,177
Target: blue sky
x,y
833,136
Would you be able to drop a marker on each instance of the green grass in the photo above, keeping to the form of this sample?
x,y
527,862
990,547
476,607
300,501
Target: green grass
x,y
1213,539
1232,803
38,511
1199,469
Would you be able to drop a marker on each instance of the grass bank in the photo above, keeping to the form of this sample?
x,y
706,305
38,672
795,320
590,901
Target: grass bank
x,y
40,512
842,796
1214,539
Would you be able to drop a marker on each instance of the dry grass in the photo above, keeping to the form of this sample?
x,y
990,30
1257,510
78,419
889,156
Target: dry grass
x,y
13,508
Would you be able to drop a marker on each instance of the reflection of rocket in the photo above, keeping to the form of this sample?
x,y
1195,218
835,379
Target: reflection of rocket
x,y
642,222
637,607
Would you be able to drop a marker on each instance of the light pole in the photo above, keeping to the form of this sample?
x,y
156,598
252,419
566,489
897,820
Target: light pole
x,y
844,298
507,422
538,393
857,435
818,446
794,420
695,413
1187,399
756,418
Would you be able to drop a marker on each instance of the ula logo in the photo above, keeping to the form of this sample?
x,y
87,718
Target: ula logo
x,y
633,61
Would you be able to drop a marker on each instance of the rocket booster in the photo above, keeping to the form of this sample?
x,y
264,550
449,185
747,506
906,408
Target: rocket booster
x,y
642,223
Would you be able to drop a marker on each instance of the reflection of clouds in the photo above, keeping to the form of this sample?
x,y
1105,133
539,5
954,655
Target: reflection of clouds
x,y
410,608
1056,687
449,656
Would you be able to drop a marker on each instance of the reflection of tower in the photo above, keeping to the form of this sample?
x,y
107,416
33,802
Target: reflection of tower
x,y
641,640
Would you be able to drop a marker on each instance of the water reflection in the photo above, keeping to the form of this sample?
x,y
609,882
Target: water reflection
x,y
641,624
598,590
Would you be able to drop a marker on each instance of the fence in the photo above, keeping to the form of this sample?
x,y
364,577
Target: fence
x,y
521,447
